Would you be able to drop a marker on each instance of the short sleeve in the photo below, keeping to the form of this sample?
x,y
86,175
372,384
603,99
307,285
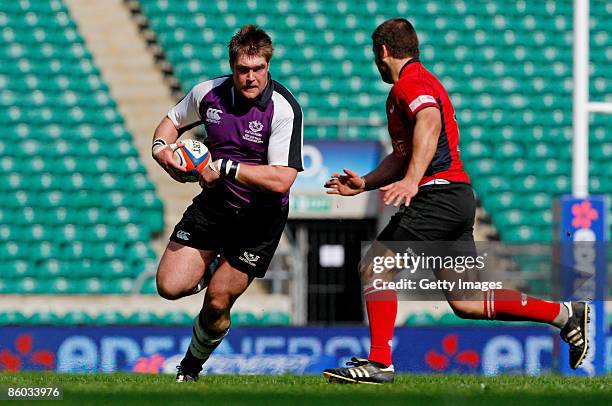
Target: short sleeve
x,y
416,97
286,139
186,114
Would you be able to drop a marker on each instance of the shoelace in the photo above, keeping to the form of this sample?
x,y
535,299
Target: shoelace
x,y
357,362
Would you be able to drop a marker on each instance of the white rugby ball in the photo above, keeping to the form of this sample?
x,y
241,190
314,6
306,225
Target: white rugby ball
x,y
193,156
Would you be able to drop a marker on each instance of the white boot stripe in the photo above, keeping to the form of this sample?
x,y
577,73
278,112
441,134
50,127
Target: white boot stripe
x,y
365,372
568,305
352,372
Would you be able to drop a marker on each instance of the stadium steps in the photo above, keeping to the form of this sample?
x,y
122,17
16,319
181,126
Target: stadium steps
x,y
137,86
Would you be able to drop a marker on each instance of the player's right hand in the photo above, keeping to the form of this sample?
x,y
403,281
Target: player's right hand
x,y
165,159
210,175
349,184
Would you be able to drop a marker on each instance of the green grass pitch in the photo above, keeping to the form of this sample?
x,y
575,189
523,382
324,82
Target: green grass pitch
x,y
297,390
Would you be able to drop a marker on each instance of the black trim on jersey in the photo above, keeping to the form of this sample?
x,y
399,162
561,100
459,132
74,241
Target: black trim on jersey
x,y
413,60
442,159
261,101
294,159
264,98
188,126
182,130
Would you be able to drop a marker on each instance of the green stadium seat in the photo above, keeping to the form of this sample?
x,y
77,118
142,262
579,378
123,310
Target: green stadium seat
x,y
275,318
72,318
63,118
110,317
244,318
177,318
144,317
12,318
423,318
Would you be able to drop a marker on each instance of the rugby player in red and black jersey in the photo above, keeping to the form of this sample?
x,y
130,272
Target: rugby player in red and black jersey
x,y
424,177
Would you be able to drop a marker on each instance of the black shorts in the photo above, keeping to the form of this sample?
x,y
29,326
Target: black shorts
x,y
439,222
247,238
436,213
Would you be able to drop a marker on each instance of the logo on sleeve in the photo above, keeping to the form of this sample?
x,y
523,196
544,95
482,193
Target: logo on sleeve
x,y
253,134
213,115
419,101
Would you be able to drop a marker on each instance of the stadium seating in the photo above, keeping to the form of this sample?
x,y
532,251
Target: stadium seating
x,y
77,210
507,66
115,317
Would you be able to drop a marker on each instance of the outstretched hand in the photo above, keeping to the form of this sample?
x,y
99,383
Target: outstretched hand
x,y
348,184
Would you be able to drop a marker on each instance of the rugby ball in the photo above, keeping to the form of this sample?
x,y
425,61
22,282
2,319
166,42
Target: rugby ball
x,y
193,156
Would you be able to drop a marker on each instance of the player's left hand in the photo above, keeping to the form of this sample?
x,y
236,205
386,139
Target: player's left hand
x,y
399,192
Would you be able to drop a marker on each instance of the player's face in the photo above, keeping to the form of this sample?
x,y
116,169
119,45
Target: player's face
x,y
383,68
250,73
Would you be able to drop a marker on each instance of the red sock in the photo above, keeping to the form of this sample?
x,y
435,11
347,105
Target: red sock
x,y
512,305
382,309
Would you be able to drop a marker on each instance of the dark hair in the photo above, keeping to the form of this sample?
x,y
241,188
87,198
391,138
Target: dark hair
x,y
399,36
250,40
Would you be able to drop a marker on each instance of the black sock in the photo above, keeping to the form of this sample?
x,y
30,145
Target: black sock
x,y
191,363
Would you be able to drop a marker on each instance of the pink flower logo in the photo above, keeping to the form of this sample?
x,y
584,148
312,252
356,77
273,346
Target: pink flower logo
x,y
149,365
584,214
450,347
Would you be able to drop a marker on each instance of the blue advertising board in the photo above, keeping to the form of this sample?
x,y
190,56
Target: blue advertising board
x,y
274,350
584,235
322,159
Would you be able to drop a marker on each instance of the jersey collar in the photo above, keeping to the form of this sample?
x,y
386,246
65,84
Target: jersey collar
x,y
260,102
413,60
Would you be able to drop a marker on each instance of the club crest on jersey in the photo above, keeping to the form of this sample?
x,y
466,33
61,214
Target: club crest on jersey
x,y
213,115
255,126
253,134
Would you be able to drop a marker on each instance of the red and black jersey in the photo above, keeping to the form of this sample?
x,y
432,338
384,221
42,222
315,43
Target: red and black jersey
x,y
416,89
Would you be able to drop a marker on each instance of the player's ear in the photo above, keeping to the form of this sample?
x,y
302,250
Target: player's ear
x,y
384,52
